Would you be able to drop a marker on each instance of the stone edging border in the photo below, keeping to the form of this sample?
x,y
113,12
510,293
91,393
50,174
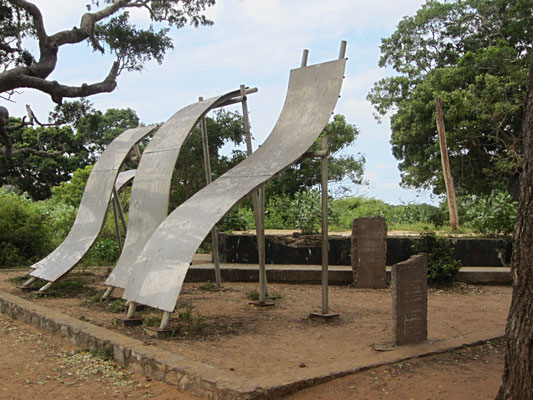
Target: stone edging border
x,y
203,379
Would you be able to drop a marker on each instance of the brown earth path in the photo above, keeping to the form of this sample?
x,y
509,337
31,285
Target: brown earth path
x,y
39,365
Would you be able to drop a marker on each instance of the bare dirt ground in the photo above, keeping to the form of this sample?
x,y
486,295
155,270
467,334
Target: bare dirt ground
x,y
36,365
281,343
472,373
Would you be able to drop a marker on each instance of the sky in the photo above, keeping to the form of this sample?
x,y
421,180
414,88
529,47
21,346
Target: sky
x,y
256,43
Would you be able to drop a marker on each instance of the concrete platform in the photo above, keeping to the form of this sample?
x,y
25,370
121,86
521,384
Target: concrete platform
x,y
206,380
202,270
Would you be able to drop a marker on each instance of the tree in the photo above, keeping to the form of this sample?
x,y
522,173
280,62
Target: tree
x,y
106,27
518,371
474,55
189,175
341,168
78,135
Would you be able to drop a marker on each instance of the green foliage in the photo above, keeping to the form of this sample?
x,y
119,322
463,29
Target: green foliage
x,y
70,192
308,207
492,215
80,138
442,267
104,252
413,215
25,234
71,287
239,218
208,287
474,55
253,295
303,211
306,173
189,175
36,173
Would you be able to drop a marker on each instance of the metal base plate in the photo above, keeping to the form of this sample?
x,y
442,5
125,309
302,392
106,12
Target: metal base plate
x,y
328,316
262,303
157,332
127,322
26,288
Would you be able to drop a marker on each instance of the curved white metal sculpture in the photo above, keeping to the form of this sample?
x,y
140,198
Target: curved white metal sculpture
x,y
151,186
93,207
158,272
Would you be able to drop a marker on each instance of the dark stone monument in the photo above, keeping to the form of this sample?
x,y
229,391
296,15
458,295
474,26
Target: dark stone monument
x,y
410,300
369,252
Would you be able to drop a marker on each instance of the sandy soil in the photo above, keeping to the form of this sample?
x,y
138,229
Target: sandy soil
x,y
36,365
268,344
472,373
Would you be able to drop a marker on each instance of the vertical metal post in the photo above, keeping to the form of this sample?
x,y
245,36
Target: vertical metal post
x,y
325,244
46,287
137,152
258,204
165,320
305,55
207,164
120,211
117,227
132,307
342,51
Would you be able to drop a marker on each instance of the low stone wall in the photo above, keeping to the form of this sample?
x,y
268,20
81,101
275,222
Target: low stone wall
x,y
288,249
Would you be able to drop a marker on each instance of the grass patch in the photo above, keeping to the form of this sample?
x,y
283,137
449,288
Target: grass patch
x,y
273,296
67,288
208,287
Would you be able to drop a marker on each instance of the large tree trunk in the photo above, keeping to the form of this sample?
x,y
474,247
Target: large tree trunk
x,y
518,373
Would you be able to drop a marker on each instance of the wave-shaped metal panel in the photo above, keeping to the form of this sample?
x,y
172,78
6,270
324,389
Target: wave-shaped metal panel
x,y
151,186
159,271
93,207
124,178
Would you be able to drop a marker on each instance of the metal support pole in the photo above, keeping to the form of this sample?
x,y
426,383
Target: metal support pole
x,y
207,164
46,287
131,309
342,51
108,292
258,200
137,152
165,320
325,244
29,281
120,211
117,228
305,55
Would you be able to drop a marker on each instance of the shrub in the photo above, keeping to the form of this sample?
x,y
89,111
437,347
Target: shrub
x,y
307,207
25,234
491,215
395,215
442,267
104,252
239,218
71,192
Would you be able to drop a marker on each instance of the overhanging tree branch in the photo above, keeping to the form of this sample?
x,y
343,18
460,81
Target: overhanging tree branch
x,y
58,91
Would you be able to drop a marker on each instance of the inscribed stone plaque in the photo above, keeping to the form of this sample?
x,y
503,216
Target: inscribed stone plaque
x,y
409,300
369,252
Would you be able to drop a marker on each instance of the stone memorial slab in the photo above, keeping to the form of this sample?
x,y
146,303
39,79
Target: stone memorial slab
x,y
409,300
369,252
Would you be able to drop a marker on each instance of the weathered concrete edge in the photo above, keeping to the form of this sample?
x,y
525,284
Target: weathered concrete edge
x,y
202,379
193,377
316,377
